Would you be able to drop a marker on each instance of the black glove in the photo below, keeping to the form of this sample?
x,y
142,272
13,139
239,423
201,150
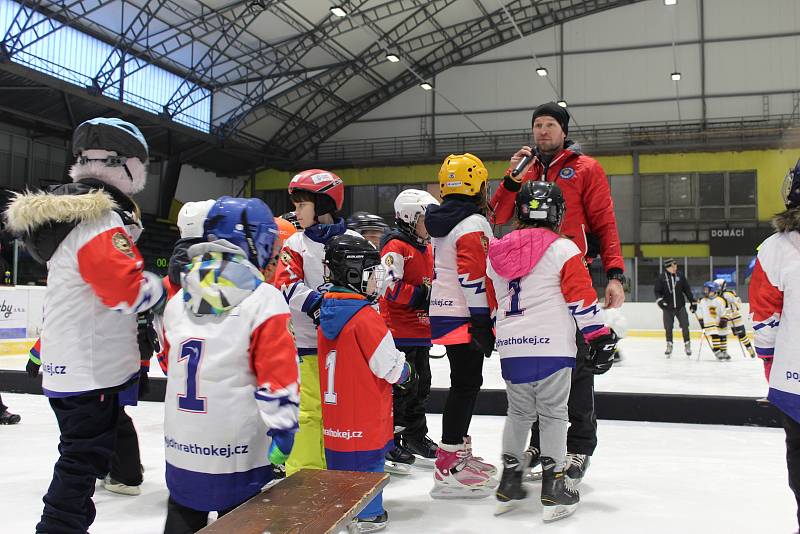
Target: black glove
x,y
662,304
601,352
144,383
32,367
314,310
700,320
422,298
480,328
723,323
692,307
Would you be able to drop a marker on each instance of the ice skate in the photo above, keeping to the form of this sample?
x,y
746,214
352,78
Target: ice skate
x,y
398,460
118,487
510,490
476,461
687,347
668,350
423,448
369,524
8,418
455,478
576,467
559,496
722,356
531,465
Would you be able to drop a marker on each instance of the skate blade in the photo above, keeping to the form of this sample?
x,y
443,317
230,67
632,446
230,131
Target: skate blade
x,y
359,528
396,468
505,507
424,463
529,475
122,489
447,492
575,481
560,511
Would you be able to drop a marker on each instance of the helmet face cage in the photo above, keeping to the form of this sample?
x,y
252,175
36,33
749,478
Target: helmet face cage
x,y
711,287
409,206
790,190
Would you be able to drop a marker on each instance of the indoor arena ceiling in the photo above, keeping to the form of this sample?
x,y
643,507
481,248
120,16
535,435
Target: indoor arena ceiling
x,y
285,74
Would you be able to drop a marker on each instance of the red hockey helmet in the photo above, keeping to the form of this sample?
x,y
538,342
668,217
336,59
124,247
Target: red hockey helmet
x,y
320,182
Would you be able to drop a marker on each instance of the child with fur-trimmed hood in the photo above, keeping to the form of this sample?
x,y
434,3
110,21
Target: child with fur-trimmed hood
x,y
85,233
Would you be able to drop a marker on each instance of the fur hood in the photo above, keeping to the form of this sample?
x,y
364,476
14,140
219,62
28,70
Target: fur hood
x,y
28,212
787,221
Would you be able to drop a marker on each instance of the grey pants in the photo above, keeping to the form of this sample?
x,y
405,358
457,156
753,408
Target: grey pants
x,y
545,400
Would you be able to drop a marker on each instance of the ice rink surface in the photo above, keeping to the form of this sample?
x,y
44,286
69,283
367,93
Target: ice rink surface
x,y
644,478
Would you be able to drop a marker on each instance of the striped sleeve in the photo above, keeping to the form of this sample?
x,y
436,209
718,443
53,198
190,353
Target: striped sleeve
x,y
471,266
290,279
377,345
394,288
576,286
766,306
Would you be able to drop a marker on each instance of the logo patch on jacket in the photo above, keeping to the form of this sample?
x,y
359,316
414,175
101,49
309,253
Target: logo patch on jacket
x,y
485,243
122,242
566,173
286,258
389,260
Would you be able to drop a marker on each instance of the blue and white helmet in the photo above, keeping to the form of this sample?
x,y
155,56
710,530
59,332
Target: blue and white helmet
x,y
711,287
247,223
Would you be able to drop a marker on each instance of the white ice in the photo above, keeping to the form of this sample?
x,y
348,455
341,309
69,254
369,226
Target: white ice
x,y
644,478
644,369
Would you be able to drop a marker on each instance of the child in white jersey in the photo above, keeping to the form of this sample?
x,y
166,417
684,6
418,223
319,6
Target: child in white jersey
x,y
542,289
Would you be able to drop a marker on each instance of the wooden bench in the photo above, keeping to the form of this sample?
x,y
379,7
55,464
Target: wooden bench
x,y
310,501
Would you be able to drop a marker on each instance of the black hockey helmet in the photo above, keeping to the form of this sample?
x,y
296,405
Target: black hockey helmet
x,y
292,218
361,222
541,204
791,187
352,262
110,134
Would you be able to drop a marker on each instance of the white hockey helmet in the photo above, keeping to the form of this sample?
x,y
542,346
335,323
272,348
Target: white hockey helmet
x,y
408,206
192,216
721,283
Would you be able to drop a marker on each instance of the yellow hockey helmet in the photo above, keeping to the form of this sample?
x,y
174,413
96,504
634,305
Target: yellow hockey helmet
x,y
462,174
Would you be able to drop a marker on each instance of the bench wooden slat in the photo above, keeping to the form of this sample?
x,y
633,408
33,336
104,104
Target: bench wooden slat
x,y
309,502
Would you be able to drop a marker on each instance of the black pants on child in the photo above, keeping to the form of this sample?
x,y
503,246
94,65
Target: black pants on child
x,y
126,463
409,404
88,426
582,433
184,520
466,379
792,429
669,317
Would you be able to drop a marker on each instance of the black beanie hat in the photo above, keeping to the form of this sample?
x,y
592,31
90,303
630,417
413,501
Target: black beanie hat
x,y
551,109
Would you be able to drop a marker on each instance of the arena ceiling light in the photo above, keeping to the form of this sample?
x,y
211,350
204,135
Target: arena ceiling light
x,y
676,76
426,86
338,11
562,103
541,71
392,58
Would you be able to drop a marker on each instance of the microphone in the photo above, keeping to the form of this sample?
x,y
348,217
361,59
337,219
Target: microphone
x,y
521,165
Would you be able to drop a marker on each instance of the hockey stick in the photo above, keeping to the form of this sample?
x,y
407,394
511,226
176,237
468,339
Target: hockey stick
x,y
702,337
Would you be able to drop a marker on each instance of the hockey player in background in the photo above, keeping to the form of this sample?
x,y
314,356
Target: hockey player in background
x,y
85,232
774,290
734,316
371,227
543,289
460,319
360,365
317,195
233,376
405,298
713,319
191,218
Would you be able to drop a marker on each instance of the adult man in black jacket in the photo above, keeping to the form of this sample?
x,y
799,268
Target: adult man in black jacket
x,y
670,289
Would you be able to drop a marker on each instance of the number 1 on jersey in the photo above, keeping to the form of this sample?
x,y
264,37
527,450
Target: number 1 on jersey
x,y
191,349
514,309
330,366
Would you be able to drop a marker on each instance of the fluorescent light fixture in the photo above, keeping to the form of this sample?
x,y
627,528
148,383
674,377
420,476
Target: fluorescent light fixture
x,y
562,103
541,71
338,11
676,76
670,2
426,86
392,58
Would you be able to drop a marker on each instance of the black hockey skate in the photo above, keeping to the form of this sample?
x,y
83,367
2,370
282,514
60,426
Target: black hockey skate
x,y
531,465
687,347
8,418
577,465
510,490
399,460
423,448
559,496
369,524
668,350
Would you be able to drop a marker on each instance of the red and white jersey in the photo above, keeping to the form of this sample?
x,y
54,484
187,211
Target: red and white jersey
x,y
231,378
711,310
358,365
776,320
543,289
96,284
459,285
299,276
407,269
